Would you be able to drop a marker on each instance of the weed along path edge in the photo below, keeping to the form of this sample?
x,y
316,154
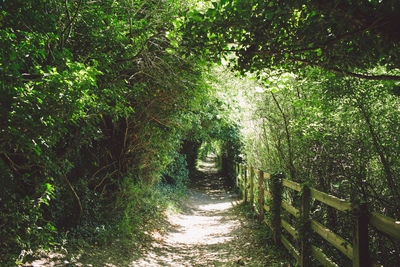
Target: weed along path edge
x,y
212,228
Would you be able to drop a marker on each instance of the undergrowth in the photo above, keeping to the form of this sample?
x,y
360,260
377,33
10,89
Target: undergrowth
x,y
129,221
277,254
140,211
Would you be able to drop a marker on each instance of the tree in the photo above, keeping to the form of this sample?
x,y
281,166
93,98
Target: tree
x,y
337,133
346,37
94,106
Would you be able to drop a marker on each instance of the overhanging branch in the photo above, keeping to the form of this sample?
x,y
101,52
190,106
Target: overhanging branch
x,y
333,69
352,74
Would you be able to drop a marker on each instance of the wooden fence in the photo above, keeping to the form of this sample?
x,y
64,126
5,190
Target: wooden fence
x,y
250,180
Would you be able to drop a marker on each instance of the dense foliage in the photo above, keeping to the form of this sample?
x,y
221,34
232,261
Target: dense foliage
x,y
95,103
338,134
104,104
348,37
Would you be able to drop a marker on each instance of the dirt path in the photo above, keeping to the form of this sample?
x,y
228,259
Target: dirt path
x,y
210,230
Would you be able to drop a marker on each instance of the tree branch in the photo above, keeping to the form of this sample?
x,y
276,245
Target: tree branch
x,y
292,169
70,23
333,69
352,74
76,197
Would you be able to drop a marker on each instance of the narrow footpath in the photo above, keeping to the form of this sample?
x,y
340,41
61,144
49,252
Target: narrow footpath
x,y
210,230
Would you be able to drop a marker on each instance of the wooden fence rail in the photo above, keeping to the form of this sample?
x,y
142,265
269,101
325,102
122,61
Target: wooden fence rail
x,y
248,180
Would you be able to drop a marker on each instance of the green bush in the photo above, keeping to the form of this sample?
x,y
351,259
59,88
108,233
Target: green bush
x,y
23,226
139,206
176,174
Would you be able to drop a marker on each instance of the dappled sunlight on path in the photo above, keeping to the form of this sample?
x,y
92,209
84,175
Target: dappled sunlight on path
x,y
202,231
209,230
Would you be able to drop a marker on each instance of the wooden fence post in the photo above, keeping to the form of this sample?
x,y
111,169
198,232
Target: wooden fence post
x,y
304,228
276,193
245,185
251,186
261,195
235,172
360,236
241,178
237,176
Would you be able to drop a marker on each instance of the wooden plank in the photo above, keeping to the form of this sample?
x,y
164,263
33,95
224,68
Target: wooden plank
x,y
267,208
290,248
385,224
268,194
256,171
338,242
322,258
290,229
292,210
267,223
329,200
292,185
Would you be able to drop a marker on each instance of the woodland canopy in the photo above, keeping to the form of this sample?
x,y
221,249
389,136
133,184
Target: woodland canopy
x,y
106,105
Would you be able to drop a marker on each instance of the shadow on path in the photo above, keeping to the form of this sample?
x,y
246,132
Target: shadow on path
x,y
210,230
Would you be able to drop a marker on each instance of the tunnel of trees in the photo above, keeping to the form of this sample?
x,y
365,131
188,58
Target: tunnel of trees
x,y
105,106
